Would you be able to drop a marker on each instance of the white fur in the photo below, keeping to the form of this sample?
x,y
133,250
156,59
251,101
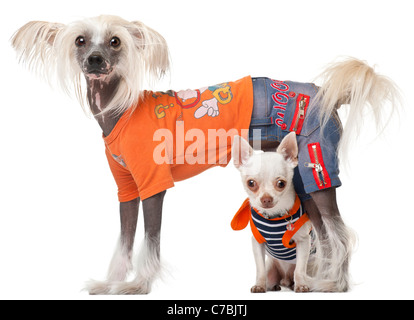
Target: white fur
x,y
147,269
322,271
49,50
332,253
353,82
261,167
265,169
120,264
265,269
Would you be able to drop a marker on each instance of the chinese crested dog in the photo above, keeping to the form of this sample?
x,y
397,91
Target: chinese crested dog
x,y
153,139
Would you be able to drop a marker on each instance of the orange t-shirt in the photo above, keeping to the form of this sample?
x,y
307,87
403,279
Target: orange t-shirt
x,y
172,136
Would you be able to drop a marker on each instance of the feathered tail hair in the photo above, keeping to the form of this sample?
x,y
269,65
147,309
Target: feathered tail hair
x,y
48,49
351,82
355,83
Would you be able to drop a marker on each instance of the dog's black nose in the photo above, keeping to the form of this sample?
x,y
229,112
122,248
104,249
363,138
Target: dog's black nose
x,y
95,60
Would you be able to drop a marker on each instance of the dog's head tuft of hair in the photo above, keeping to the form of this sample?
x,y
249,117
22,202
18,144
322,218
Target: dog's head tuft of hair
x,y
99,48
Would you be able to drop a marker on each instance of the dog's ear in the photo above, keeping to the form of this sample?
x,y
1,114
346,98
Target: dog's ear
x,y
153,47
289,148
34,41
241,151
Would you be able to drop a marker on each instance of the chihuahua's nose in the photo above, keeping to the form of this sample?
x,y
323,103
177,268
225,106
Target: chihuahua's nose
x,y
267,201
95,60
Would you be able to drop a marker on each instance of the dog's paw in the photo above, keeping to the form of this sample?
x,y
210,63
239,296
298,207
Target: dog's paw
x,y
257,289
130,288
301,288
275,288
98,287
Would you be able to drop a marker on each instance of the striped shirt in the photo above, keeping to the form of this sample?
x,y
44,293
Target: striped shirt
x,y
273,231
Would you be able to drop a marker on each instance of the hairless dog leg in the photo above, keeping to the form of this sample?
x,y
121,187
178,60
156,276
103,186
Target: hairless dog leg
x,y
312,210
148,264
335,238
121,261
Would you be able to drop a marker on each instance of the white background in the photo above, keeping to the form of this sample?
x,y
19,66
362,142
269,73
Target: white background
x,y
59,218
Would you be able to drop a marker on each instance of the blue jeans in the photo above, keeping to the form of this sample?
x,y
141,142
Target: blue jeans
x,y
281,107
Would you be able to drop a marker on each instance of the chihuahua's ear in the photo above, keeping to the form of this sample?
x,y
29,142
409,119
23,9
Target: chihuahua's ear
x,y
289,148
241,151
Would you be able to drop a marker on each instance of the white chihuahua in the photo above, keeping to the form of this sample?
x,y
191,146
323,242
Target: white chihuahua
x,y
275,214
105,61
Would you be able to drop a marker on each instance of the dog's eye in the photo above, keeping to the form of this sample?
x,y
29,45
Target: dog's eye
x,y
252,185
80,41
280,185
115,42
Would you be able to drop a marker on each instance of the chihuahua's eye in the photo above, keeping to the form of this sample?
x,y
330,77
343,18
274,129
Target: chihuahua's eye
x,y
80,41
280,185
115,42
252,185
